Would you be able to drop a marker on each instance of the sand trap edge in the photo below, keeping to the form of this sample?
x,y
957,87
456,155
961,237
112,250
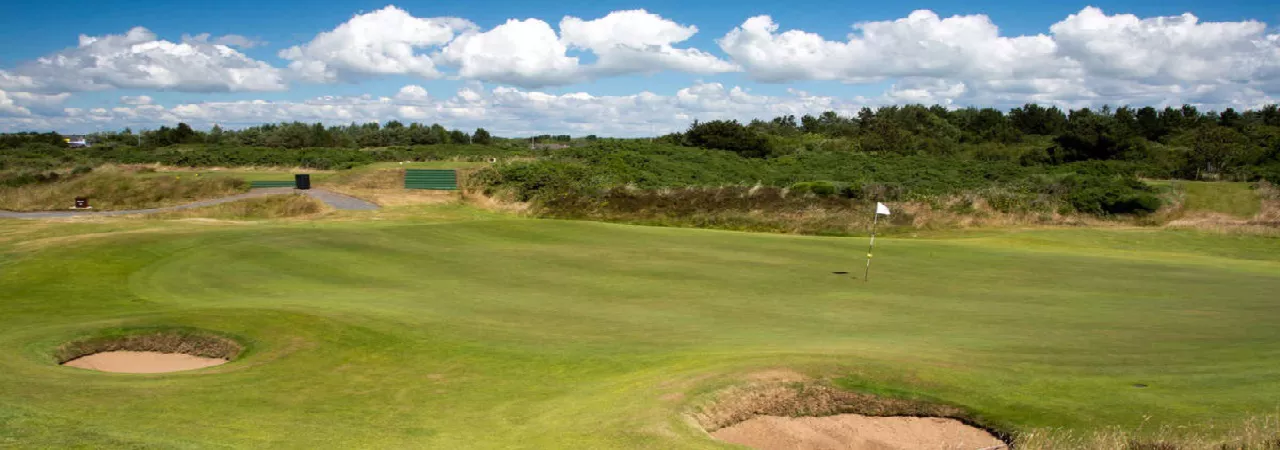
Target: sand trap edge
x,y
185,341
857,432
818,398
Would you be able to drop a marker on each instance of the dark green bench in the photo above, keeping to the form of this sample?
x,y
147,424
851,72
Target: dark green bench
x,y
435,179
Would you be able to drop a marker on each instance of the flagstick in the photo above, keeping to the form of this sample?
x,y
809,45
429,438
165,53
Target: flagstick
x,y
866,276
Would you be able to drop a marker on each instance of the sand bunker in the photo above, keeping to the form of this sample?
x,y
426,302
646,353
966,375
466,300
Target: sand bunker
x,y
143,362
857,432
150,352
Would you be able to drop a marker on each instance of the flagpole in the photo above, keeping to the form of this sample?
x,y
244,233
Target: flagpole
x,y
866,276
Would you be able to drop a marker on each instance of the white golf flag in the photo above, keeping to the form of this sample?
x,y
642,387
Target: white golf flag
x,y
881,209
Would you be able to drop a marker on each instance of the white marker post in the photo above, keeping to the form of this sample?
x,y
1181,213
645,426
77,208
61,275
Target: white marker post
x,y
880,209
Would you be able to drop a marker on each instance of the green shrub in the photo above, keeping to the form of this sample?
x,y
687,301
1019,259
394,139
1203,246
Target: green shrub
x,y
1107,195
801,188
728,135
822,188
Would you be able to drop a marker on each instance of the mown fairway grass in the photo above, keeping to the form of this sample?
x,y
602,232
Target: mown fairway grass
x,y
470,330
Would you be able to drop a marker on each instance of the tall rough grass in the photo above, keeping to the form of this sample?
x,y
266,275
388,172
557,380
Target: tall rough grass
x,y
110,190
1256,433
271,207
771,209
1270,211
1265,222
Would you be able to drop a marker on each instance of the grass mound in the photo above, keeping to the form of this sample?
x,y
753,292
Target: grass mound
x,y
185,341
261,208
1235,199
116,190
381,178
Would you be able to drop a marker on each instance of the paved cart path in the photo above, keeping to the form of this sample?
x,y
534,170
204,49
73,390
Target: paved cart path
x,y
333,199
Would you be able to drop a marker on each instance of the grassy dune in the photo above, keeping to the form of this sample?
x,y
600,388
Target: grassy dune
x,y
111,190
462,329
1235,199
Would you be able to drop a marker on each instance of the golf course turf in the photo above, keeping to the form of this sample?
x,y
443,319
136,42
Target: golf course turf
x,y
469,329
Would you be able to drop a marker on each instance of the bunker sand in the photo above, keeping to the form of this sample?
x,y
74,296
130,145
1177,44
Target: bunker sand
x,y
857,432
143,362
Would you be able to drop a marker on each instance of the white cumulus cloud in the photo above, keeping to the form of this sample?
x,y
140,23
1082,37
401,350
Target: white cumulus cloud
x,y
138,59
230,40
412,93
40,103
510,111
521,52
502,110
921,44
639,41
386,41
1165,49
10,108
1087,58
135,100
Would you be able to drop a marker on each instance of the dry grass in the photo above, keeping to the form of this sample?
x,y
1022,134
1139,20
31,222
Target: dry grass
x,y
185,341
157,167
385,187
1257,433
768,209
1265,223
112,190
1270,196
260,208
367,179
479,199
798,399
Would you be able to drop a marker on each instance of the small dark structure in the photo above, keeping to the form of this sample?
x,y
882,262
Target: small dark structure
x,y
302,181
82,203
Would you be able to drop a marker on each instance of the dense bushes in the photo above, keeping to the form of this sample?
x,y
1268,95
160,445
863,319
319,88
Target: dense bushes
x,y
14,140
727,135
1102,195
649,166
42,157
572,178
1178,143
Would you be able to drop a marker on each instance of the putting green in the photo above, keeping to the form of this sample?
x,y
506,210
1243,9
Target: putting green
x,y
512,333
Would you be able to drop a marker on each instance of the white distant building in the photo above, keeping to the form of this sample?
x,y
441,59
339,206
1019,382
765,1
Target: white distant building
x,y
76,141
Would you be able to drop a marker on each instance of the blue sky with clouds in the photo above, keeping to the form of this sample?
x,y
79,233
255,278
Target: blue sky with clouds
x,y
613,67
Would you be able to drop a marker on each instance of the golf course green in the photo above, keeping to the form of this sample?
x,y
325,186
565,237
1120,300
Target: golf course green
x,y
460,328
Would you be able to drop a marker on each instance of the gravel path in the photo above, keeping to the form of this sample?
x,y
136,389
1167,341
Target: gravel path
x,y
335,200
340,201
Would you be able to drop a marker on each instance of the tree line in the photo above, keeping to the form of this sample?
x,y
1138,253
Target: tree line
x,y
299,135
1174,142
1170,142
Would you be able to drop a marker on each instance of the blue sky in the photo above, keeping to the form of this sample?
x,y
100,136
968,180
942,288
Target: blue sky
x,y
994,53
